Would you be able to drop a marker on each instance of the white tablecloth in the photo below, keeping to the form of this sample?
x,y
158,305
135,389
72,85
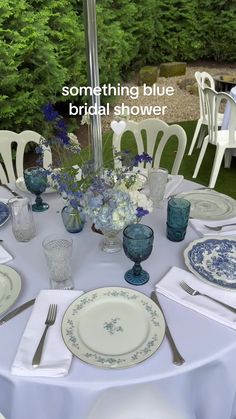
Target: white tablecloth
x,y
204,387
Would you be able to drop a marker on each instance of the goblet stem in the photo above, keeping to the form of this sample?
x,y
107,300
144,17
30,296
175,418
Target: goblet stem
x,y
38,200
137,269
39,205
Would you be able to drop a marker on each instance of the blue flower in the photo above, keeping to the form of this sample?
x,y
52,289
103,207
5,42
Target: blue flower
x,y
74,203
49,112
144,157
140,212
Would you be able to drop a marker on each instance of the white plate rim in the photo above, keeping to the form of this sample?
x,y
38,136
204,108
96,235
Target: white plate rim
x,y
214,193
16,286
20,184
114,365
191,269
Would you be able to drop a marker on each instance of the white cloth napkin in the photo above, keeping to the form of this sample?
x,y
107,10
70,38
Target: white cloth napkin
x,y
169,286
199,226
173,183
4,255
56,358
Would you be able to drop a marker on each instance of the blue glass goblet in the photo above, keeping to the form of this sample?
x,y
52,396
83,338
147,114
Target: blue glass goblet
x,y
137,244
36,183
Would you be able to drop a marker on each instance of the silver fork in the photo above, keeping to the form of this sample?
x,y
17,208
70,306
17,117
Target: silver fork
x,y
218,228
193,292
50,320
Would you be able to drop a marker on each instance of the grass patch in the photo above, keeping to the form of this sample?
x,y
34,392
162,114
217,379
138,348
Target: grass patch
x,y
226,181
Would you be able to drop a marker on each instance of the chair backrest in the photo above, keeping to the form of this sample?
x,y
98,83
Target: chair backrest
x,y
153,128
214,102
7,138
204,79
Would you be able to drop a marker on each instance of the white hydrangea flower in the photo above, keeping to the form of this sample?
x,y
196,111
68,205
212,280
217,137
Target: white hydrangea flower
x,y
141,200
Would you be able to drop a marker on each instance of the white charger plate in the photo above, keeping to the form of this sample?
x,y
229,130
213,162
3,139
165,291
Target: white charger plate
x,y
10,286
213,260
113,327
20,184
209,205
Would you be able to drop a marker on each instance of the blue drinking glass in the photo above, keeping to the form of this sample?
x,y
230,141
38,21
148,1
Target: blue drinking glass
x,y
177,218
36,183
137,244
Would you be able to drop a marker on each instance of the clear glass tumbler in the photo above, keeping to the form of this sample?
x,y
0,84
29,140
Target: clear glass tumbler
x,y
58,253
23,226
157,180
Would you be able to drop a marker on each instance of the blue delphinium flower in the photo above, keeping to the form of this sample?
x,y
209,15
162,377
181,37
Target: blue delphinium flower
x,y
140,212
49,112
144,157
61,132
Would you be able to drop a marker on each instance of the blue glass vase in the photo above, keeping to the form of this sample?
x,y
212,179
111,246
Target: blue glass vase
x,y
73,218
137,244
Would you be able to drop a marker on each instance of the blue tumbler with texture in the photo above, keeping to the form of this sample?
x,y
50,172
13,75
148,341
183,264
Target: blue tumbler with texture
x,y
177,218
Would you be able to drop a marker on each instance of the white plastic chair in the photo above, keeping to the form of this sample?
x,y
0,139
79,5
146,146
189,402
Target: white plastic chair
x,y
7,138
204,79
222,139
152,127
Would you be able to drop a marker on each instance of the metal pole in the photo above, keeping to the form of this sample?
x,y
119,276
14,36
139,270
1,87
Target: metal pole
x,y
93,79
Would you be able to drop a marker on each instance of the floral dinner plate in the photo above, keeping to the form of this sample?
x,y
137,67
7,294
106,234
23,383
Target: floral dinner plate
x,y
213,259
113,327
10,286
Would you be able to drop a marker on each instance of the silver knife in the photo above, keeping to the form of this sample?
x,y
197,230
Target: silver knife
x,y
16,311
177,358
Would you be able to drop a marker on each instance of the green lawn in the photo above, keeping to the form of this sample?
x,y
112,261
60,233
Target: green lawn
x,y
226,181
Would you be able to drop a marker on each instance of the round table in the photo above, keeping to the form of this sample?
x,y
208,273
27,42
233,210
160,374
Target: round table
x,y
204,387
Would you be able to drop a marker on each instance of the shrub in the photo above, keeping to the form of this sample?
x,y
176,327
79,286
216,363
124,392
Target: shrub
x,y
42,45
38,41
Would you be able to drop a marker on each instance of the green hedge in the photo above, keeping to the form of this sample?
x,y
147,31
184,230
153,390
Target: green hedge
x,y
42,45
38,42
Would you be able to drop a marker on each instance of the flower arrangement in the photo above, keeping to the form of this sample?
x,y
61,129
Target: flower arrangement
x,y
112,198
115,199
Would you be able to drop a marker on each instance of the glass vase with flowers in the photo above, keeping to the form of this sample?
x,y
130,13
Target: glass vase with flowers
x,y
110,198
112,201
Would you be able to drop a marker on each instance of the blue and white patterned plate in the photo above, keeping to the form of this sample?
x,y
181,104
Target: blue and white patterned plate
x,y
213,259
113,327
4,213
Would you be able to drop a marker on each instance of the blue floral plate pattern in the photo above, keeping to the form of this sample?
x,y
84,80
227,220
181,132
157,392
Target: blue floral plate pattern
x,y
113,327
213,259
4,213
